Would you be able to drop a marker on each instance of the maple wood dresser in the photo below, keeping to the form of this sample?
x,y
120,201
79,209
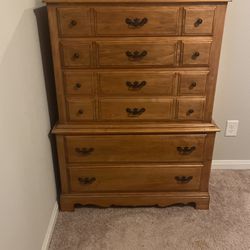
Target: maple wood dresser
x,y
135,83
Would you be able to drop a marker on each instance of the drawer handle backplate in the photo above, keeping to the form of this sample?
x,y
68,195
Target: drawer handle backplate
x,y
195,55
136,55
136,85
193,85
183,179
198,22
190,112
76,56
86,180
136,22
78,85
84,151
135,111
185,150
73,23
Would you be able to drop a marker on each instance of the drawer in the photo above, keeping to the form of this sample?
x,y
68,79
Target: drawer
x,y
192,83
76,54
74,22
199,20
136,84
135,148
134,179
81,110
190,108
77,83
135,53
136,21
136,109
196,54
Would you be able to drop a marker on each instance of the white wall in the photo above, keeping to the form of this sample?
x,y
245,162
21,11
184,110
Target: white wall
x,y
232,100
27,188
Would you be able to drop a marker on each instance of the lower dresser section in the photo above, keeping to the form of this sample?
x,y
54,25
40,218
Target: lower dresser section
x,y
144,169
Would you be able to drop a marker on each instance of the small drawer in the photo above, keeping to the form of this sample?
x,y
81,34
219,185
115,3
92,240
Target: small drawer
x,y
136,109
81,110
192,83
74,22
76,54
135,179
136,21
196,54
198,20
136,84
135,148
135,53
77,83
190,108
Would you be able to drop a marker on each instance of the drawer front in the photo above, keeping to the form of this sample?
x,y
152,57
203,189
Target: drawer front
x,y
77,83
135,53
74,22
81,110
135,148
134,21
76,54
196,54
136,84
136,109
134,179
192,83
190,109
198,20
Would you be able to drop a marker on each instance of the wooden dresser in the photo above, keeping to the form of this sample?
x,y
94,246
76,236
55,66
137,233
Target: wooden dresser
x,y
135,82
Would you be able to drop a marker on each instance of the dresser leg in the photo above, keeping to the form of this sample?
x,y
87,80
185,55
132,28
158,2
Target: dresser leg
x,y
66,205
202,205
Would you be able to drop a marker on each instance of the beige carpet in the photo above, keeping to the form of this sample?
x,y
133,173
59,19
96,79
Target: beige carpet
x,y
225,226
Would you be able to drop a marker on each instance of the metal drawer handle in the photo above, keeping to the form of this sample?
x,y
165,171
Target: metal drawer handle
x,y
84,151
86,180
80,112
136,22
136,85
186,150
135,111
73,23
195,55
198,22
193,85
183,179
78,85
136,55
190,112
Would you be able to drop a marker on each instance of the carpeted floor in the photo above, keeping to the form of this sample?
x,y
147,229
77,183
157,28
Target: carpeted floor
x,y
226,226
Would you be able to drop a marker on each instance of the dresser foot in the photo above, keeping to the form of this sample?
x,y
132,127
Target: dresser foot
x,y
66,205
202,205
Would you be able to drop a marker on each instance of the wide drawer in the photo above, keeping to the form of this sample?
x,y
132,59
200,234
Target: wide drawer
x,y
136,83
136,109
137,53
136,21
135,148
135,179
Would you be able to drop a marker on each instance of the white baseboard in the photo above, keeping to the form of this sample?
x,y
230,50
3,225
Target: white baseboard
x,y
231,164
50,229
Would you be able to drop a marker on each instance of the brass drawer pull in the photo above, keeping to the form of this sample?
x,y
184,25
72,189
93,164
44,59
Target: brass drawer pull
x,y
193,85
136,22
186,150
76,56
136,85
183,179
190,112
195,55
135,111
136,55
84,151
86,180
78,85
198,22
73,23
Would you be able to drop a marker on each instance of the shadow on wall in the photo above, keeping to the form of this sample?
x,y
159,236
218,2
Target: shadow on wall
x,y
47,61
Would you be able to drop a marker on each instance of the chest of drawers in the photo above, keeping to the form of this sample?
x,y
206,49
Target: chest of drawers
x,y
135,84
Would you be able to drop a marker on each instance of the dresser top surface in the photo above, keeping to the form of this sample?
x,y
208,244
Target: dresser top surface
x,y
136,1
